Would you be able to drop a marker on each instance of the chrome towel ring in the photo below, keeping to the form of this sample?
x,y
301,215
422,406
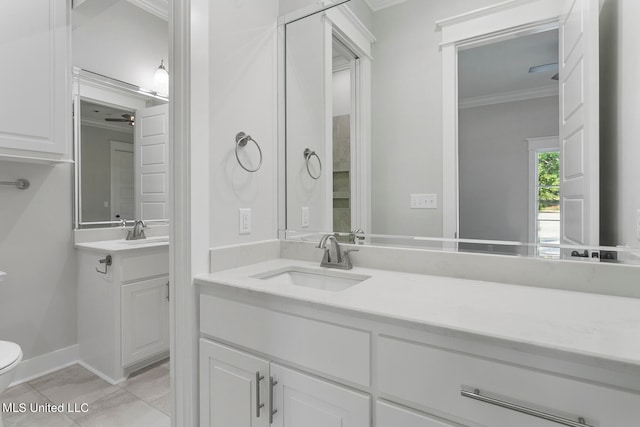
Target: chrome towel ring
x,y
243,139
308,154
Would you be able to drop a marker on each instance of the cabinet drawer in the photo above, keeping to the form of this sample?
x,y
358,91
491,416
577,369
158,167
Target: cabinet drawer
x,y
140,266
432,379
388,415
329,349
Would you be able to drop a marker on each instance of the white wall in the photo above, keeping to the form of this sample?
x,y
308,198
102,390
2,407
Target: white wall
x,y
620,127
494,166
406,114
123,42
38,297
341,93
96,170
243,97
308,75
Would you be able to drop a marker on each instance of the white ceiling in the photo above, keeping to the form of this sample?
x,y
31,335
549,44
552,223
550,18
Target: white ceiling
x,y
94,115
503,67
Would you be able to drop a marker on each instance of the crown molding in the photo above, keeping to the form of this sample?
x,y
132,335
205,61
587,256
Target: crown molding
x,y
159,8
377,5
516,95
105,125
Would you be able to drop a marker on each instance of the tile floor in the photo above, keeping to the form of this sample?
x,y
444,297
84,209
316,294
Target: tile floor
x,y
141,401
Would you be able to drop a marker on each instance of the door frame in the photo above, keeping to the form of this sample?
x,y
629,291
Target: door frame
x,y
116,146
482,26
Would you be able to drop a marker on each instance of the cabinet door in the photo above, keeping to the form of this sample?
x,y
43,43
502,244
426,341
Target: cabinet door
x,y
233,387
35,112
304,401
145,319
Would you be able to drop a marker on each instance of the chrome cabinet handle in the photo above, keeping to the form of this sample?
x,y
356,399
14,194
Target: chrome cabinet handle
x,y
168,292
258,404
523,409
272,412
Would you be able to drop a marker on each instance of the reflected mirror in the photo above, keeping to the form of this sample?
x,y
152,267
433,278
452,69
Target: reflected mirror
x,y
421,139
120,113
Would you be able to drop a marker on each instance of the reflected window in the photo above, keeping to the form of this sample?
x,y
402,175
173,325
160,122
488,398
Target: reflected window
x,y
547,225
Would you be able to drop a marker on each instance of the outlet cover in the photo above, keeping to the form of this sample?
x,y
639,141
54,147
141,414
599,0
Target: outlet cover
x,y
304,217
245,221
424,201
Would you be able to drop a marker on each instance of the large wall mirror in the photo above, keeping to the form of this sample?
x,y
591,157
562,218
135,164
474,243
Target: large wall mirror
x,y
454,125
120,113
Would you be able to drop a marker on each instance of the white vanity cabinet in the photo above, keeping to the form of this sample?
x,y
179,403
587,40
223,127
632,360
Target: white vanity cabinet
x,y
237,388
335,366
35,81
123,314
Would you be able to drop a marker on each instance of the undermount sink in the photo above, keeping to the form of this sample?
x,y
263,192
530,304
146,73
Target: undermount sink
x,y
148,240
333,281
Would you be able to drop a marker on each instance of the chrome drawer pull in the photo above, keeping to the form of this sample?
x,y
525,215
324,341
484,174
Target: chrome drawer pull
x,y
258,404
272,412
523,409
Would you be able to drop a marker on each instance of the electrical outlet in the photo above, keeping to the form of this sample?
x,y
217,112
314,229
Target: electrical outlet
x,y
106,204
424,201
245,221
304,217
638,224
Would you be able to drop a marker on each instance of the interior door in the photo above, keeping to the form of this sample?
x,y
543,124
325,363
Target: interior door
x,y
579,117
122,182
151,162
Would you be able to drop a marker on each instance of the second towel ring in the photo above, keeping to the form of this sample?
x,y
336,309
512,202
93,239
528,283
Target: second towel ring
x,y
243,139
307,156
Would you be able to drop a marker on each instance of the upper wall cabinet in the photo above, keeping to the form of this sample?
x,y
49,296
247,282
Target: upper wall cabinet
x,y
35,107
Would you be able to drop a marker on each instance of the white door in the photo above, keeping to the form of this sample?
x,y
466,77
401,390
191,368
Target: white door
x,y
304,401
145,319
233,387
151,162
579,117
122,182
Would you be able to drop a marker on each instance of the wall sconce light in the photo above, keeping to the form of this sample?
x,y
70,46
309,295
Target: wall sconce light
x,y
161,80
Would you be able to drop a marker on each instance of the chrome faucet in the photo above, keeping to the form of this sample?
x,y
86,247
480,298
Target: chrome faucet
x,y
138,231
337,259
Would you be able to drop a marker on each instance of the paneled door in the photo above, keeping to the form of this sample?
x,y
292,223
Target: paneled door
x,y
233,387
151,162
579,118
304,401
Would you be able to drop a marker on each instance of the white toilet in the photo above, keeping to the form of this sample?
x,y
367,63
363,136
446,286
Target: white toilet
x,y
10,357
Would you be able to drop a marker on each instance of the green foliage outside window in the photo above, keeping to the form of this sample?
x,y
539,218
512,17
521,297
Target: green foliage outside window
x,y
549,180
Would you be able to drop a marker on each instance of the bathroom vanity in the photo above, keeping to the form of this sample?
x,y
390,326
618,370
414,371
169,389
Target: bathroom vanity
x,y
123,305
286,341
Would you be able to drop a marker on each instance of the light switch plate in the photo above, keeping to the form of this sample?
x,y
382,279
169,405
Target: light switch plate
x,y
304,217
245,221
424,201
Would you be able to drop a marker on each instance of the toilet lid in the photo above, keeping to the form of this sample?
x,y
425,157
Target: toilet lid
x,y
9,353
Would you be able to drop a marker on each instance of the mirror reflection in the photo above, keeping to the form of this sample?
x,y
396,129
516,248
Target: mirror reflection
x,y
120,113
366,92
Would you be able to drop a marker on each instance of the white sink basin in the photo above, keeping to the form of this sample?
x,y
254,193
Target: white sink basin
x,y
148,240
325,280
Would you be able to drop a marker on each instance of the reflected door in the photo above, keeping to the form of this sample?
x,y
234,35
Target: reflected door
x,y
122,183
151,162
579,117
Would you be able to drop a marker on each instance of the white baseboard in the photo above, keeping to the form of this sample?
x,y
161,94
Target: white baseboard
x,y
37,366
100,374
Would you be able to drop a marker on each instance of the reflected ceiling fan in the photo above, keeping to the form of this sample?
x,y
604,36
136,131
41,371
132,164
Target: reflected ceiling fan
x,y
125,118
546,67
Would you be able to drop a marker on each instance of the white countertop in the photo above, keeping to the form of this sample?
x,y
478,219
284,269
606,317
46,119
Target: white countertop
x,y
124,245
557,321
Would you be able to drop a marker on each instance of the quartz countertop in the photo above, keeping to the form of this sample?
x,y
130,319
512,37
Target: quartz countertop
x,y
600,328
124,245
